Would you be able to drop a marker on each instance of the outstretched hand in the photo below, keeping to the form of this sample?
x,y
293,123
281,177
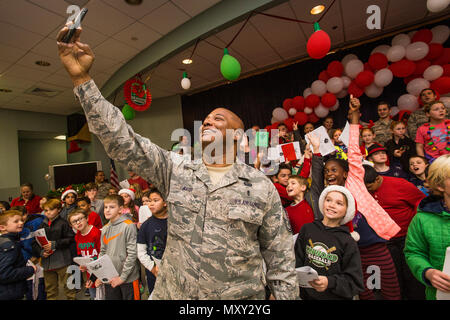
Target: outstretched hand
x,y
76,57
354,104
315,141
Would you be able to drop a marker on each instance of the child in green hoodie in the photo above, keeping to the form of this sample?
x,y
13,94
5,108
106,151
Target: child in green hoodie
x,y
429,232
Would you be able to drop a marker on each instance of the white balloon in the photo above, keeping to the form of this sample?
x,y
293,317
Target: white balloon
x,y
382,48
321,111
408,102
280,114
342,94
348,58
411,34
445,101
401,39
335,85
308,110
319,88
433,72
394,111
383,77
373,91
440,34
346,80
292,111
353,68
185,83
417,51
415,86
437,5
273,120
307,92
335,107
396,53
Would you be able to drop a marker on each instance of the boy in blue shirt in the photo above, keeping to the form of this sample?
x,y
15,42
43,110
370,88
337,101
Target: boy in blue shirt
x,y
152,237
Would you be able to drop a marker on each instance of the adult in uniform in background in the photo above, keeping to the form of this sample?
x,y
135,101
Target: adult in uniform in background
x,y
225,220
418,117
102,185
382,127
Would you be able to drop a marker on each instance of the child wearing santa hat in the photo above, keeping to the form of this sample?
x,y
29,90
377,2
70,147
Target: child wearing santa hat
x,y
129,207
328,247
69,198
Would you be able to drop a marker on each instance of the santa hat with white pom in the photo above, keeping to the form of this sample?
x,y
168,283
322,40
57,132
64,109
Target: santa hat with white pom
x,y
351,207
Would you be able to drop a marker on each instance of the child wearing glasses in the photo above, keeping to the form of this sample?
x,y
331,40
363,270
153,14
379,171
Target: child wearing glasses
x,y
87,239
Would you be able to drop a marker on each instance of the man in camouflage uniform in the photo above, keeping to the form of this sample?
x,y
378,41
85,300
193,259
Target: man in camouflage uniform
x,y
102,186
219,234
382,127
418,117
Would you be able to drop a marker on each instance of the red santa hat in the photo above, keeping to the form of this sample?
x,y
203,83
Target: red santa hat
x,y
129,191
351,207
67,191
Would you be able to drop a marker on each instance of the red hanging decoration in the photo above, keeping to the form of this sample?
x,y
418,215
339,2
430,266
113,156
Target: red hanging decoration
x,y
73,147
137,95
319,43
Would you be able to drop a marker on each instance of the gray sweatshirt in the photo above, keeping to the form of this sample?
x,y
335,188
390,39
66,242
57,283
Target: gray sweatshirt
x,y
119,243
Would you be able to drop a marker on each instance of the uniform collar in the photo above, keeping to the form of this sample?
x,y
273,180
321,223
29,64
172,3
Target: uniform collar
x,y
238,171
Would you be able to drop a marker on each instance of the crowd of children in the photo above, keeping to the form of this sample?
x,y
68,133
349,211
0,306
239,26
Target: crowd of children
x,y
376,207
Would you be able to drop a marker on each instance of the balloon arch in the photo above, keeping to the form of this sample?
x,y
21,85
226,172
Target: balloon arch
x,y
418,57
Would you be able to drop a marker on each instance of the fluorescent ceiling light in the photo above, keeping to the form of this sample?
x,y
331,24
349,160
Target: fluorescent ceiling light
x,y
62,137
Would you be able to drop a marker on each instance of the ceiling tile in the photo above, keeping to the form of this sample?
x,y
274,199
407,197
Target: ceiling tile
x,y
29,16
105,19
55,6
4,65
397,15
165,18
115,50
14,83
18,37
29,59
136,12
356,24
145,36
57,80
10,54
104,64
26,73
193,8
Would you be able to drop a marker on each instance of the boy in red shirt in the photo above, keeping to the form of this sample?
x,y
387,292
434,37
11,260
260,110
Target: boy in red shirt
x,y
88,242
399,198
93,218
299,211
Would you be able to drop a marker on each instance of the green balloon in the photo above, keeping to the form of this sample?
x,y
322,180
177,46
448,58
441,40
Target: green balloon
x,y
128,112
230,67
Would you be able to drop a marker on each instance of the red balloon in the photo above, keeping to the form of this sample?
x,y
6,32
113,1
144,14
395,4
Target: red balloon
x,y
312,101
301,118
441,85
446,70
313,118
335,69
318,45
289,122
436,50
378,61
364,79
299,103
403,68
268,128
367,67
355,90
324,76
444,58
424,35
328,100
421,66
411,78
287,104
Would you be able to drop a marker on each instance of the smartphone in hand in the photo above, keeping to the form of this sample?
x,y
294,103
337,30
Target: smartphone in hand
x,y
68,37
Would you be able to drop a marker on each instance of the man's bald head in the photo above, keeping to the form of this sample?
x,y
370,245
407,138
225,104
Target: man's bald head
x,y
234,121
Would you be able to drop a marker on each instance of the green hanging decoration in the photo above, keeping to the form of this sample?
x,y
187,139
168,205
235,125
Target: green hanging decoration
x,y
128,112
230,66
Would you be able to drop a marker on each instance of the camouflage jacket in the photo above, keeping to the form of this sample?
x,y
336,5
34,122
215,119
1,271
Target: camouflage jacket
x,y
103,189
218,235
382,131
417,119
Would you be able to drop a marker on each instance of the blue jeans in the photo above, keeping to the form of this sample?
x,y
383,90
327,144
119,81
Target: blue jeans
x,y
92,292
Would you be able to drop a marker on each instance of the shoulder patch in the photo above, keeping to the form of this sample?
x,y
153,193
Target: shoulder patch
x,y
128,221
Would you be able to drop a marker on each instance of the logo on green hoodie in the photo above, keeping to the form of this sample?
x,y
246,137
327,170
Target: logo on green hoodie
x,y
320,255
